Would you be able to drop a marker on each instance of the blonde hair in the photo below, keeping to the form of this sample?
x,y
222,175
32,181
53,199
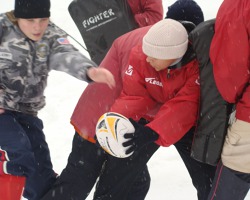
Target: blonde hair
x,y
11,17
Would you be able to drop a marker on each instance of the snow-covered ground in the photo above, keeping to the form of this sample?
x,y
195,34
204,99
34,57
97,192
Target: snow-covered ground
x,y
170,179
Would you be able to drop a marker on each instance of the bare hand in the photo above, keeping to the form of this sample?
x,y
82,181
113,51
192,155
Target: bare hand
x,y
101,75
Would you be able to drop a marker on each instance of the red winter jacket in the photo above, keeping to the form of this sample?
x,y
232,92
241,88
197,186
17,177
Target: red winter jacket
x,y
98,98
146,12
230,55
172,95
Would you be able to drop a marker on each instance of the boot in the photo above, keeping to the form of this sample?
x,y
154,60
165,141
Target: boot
x,y
11,187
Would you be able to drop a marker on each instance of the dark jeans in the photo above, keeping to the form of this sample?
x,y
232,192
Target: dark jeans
x,y
24,141
86,163
229,184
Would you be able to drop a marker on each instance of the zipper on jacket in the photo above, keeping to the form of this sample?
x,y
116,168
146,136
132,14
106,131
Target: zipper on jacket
x,y
168,73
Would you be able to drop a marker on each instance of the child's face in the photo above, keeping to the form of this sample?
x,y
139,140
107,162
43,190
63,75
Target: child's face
x,y
158,64
33,28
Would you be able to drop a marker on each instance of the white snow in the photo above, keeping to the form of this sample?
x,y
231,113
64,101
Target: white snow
x,y
170,179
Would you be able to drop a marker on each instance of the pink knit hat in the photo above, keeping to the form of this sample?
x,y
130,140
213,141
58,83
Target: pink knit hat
x,y
167,39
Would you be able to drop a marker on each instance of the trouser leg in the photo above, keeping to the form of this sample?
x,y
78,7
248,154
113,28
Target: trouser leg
x,y
229,184
15,142
140,187
84,165
44,176
119,174
201,174
23,140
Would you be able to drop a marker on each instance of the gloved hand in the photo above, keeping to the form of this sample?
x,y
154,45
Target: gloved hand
x,y
142,136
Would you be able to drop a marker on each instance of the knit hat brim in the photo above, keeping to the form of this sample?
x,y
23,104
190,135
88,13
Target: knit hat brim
x,y
164,52
31,15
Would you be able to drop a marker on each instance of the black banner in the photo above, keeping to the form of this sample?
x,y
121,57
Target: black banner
x,y
100,22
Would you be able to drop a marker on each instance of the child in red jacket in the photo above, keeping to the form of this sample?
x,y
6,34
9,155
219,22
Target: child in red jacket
x,y
77,179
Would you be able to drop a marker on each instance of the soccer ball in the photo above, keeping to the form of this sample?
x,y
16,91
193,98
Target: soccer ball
x,y
110,130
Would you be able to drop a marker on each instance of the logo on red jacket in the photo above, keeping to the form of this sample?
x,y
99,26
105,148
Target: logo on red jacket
x,y
153,81
129,71
197,81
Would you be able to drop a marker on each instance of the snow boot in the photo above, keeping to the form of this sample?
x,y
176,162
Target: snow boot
x,y
11,186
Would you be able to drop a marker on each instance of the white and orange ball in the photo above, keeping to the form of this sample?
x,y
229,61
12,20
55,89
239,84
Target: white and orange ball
x,y
110,130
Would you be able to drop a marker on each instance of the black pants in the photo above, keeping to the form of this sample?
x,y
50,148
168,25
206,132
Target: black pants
x,y
201,174
229,184
109,186
120,179
85,164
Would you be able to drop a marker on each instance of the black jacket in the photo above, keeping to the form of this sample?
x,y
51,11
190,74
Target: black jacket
x,y
214,110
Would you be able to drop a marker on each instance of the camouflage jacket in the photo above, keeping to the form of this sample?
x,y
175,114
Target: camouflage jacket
x,y
24,65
